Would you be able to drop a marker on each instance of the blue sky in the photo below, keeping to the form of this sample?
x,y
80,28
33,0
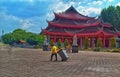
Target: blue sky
x,y
31,15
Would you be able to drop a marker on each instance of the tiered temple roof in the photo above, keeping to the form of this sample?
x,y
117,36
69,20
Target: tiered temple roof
x,y
71,22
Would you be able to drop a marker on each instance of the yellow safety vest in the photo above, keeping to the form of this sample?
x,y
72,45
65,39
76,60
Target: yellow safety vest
x,y
54,49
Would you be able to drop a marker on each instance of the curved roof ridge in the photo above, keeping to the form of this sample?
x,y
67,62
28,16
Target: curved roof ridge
x,y
71,16
71,25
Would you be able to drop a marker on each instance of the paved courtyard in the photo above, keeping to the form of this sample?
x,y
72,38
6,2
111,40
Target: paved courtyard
x,y
18,62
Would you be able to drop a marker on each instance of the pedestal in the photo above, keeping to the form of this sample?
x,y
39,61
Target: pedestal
x,y
45,48
74,49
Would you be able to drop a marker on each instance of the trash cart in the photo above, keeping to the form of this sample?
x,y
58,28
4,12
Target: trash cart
x,y
63,54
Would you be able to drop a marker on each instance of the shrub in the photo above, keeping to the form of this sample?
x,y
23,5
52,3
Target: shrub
x,y
108,50
59,44
66,43
113,42
89,49
99,42
51,42
96,49
37,46
86,43
115,50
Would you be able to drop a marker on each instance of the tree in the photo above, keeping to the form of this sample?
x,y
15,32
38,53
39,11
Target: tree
x,y
66,43
86,43
8,38
99,42
32,39
118,17
19,34
59,44
113,42
111,15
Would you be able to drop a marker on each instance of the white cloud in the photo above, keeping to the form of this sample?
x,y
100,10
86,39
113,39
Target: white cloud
x,y
89,11
8,17
118,4
26,24
58,6
9,23
61,7
97,2
81,9
93,10
110,0
50,16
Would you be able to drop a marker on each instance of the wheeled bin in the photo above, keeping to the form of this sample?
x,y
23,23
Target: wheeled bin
x,y
63,54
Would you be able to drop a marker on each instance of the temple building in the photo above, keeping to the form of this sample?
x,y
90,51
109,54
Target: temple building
x,y
67,24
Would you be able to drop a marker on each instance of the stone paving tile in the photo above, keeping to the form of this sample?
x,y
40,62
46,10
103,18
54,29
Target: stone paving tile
x,y
20,62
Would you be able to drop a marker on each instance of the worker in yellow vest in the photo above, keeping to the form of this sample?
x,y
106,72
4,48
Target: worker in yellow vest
x,y
54,52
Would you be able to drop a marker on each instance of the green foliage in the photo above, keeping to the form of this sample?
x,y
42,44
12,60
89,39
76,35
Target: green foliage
x,y
116,50
19,34
51,42
8,38
113,42
66,43
86,43
113,50
99,42
96,49
59,44
111,15
2,44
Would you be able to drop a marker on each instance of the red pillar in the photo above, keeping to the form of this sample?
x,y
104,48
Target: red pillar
x,y
82,41
62,39
90,42
54,39
68,40
109,42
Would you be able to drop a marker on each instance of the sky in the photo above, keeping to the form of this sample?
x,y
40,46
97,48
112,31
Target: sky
x,y
31,15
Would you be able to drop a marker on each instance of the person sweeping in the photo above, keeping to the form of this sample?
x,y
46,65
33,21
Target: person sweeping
x,y
54,52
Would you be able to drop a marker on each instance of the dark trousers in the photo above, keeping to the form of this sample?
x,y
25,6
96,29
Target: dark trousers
x,y
53,55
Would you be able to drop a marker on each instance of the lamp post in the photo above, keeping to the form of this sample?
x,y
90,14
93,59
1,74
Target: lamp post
x,y
2,35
